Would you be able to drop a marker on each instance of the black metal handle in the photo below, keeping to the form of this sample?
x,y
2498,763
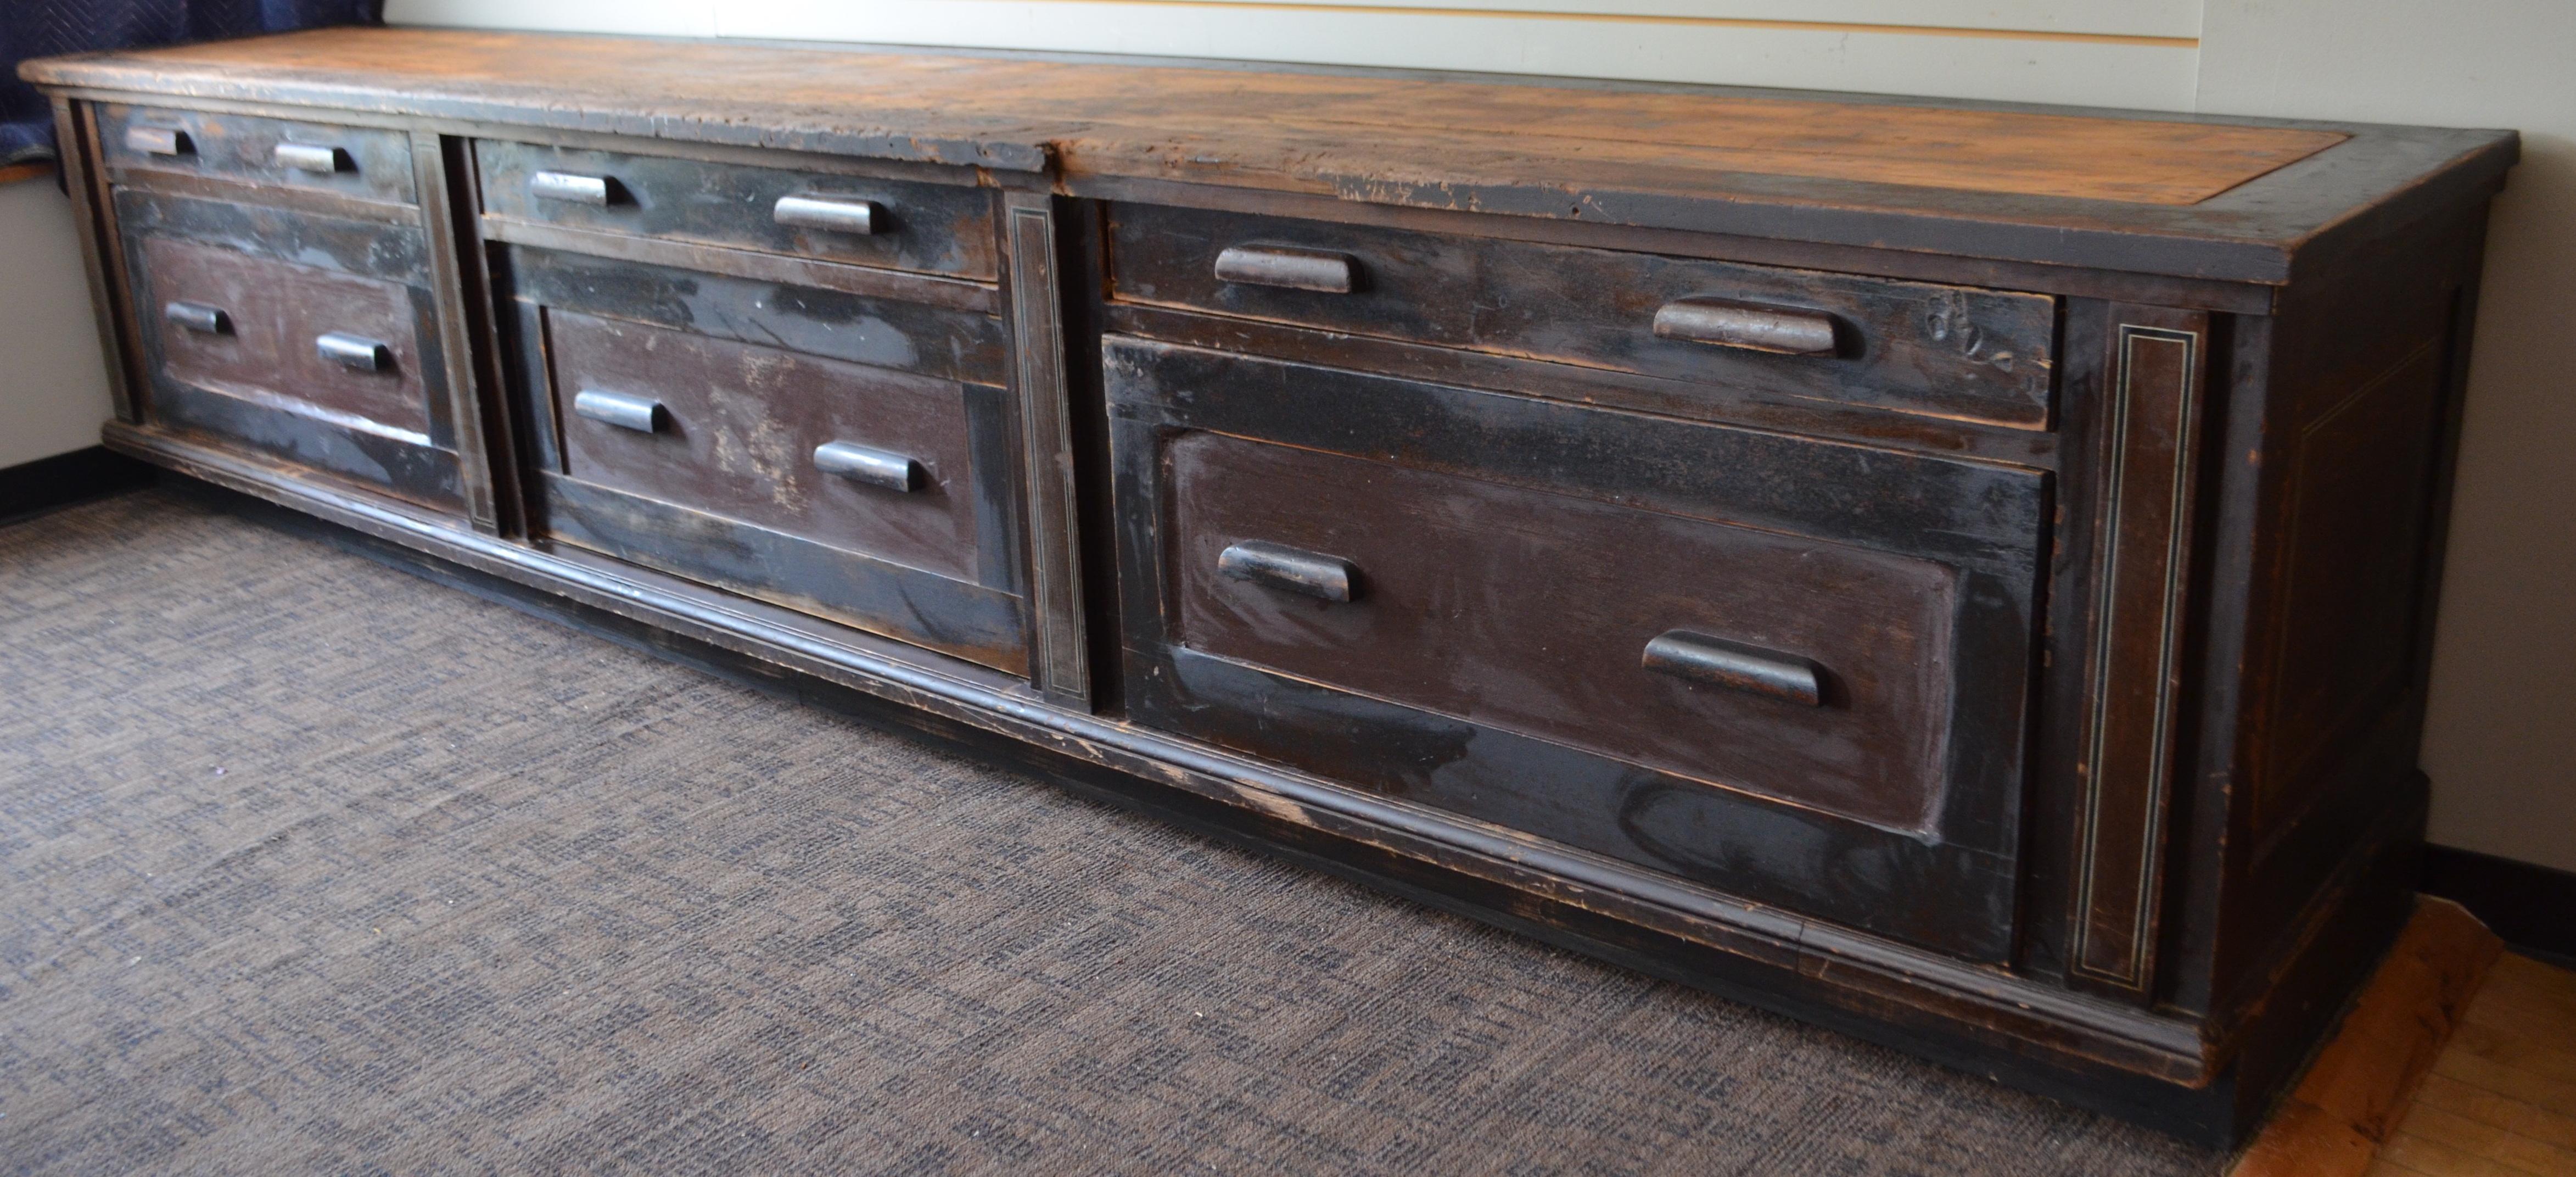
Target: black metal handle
x,y
1295,269
197,316
571,189
158,141
310,157
641,414
1753,328
883,469
1295,570
837,214
1718,662
356,352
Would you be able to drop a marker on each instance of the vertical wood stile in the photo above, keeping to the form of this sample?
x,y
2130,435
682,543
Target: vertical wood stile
x,y
1058,664
80,172
2157,367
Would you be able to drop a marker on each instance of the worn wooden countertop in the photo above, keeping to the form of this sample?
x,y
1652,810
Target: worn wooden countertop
x,y
2225,199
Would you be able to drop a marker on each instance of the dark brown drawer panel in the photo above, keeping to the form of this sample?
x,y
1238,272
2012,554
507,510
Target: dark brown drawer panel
x,y
840,456
893,224
368,162
272,318
1532,611
738,427
1916,347
1635,635
310,339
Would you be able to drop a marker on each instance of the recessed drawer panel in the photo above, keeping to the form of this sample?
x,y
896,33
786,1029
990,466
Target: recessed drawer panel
x,y
1792,670
1798,668
1944,351
373,163
338,346
786,444
930,228
853,457
310,339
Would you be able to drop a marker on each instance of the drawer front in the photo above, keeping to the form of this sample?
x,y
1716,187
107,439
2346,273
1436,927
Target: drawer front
x,y
1791,670
846,458
928,228
1946,351
258,327
310,339
372,163
735,430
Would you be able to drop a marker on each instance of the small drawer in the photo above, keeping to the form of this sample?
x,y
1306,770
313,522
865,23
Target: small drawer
x,y
367,162
338,346
851,457
1947,351
892,224
873,498
1652,639
310,340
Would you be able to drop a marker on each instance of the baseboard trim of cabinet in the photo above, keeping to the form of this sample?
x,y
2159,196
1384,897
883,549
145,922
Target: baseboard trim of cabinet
x,y
2358,1087
2138,1064
2533,907
29,489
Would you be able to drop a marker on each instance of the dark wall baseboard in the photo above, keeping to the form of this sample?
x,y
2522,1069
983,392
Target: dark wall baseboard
x,y
46,484
2532,906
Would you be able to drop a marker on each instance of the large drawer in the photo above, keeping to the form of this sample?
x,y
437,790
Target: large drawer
x,y
372,163
931,228
843,457
1792,670
310,339
1945,351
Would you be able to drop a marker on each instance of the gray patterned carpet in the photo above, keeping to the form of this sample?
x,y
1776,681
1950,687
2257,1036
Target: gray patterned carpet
x,y
307,866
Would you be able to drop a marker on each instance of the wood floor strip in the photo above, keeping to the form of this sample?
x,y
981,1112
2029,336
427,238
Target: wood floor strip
x,y
2548,1095
2486,1140
2361,1082
2519,1117
2441,1160
2524,1047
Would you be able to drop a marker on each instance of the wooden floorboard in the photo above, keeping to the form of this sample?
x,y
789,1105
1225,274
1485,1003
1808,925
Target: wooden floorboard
x,y
2448,1066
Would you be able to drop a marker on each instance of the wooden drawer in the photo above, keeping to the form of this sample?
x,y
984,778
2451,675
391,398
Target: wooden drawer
x,y
1947,351
1792,670
372,163
311,339
929,228
843,457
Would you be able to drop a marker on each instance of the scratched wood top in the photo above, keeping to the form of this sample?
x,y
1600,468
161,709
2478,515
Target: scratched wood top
x,y
1673,157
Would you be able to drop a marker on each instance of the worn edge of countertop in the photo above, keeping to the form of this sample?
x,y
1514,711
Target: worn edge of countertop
x,y
2260,231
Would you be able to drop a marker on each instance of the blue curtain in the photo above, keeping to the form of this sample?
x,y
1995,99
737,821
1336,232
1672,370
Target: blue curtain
x,y
43,28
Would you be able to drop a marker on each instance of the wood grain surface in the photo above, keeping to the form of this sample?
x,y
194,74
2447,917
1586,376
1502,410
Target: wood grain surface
x,y
1125,118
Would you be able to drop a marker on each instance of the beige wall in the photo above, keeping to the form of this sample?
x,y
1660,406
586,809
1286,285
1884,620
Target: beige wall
x,y
53,385
2502,737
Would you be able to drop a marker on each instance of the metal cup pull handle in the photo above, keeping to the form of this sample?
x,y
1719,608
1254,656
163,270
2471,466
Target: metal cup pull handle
x,y
837,214
159,141
311,157
1293,269
571,189
1717,662
1292,570
197,316
1752,328
883,469
354,352
641,414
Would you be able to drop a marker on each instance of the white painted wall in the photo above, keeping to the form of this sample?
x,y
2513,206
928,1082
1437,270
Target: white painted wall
x,y
53,383
2501,743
